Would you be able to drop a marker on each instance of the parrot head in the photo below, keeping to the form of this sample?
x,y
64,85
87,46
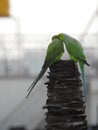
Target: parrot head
x,y
61,36
55,37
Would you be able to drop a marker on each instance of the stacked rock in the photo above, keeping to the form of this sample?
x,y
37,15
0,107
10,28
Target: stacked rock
x,y
65,104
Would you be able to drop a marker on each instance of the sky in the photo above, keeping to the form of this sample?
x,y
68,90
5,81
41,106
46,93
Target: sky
x,y
53,16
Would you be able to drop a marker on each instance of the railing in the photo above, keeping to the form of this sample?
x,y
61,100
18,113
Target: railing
x,y
24,54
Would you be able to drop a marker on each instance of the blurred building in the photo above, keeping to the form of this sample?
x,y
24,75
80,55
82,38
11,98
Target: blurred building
x,y
19,65
21,58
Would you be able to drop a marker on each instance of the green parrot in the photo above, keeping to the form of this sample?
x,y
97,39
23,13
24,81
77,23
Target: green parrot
x,y
54,52
76,53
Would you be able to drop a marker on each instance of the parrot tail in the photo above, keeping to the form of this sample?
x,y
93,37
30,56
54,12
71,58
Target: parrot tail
x,y
83,77
84,81
36,80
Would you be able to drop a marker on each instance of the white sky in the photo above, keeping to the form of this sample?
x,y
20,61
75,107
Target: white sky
x,y
53,16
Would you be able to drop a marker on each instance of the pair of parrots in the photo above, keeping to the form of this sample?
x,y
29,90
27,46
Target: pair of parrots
x,y
55,51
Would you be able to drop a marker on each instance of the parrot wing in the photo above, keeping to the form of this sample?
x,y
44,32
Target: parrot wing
x,y
76,53
54,52
74,48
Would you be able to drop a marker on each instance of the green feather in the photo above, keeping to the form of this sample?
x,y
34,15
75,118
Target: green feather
x,y
54,52
36,80
76,53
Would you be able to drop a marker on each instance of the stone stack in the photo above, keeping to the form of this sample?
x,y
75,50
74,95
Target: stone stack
x,y
65,104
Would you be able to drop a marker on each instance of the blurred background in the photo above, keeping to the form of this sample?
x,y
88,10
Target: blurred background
x,y
26,28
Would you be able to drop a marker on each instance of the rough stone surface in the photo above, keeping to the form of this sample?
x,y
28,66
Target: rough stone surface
x,y
65,104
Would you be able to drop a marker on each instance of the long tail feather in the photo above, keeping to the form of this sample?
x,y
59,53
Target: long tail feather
x,y
83,77
36,80
84,82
